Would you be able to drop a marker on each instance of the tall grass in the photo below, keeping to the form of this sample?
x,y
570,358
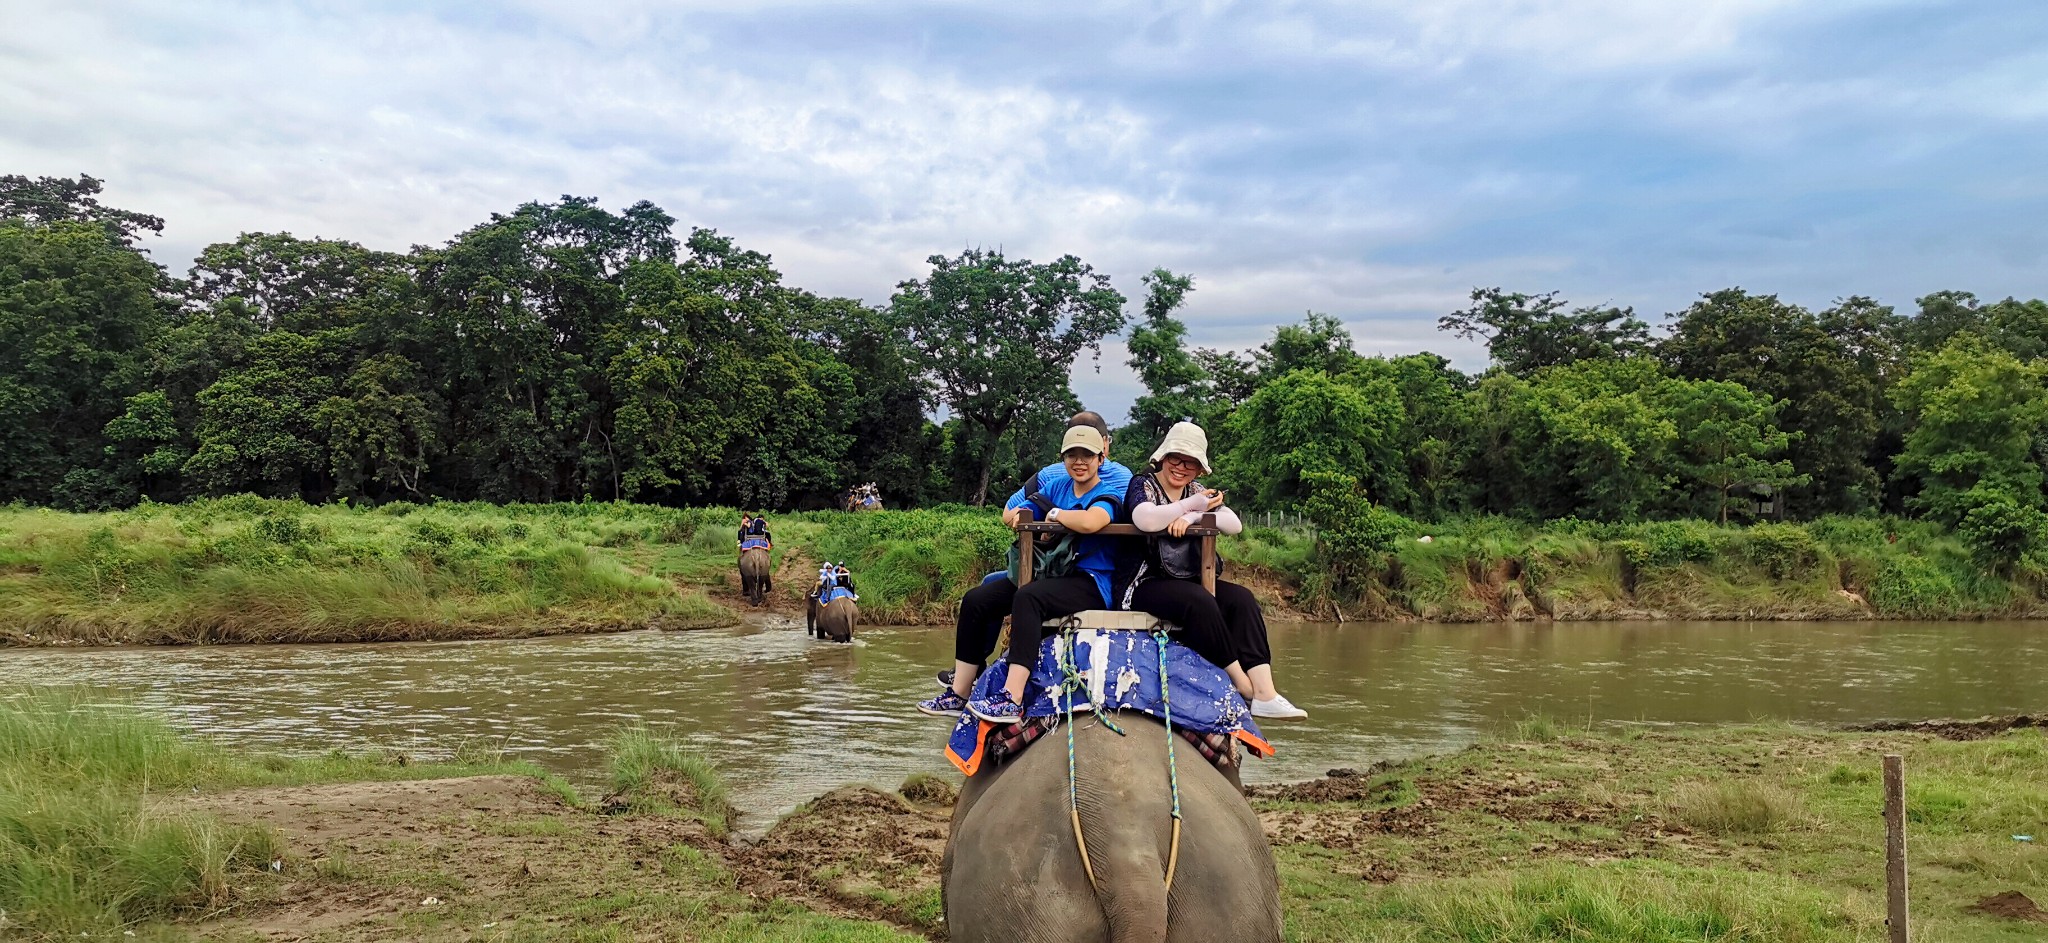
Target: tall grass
x,y
245,569
1491,568
80,848
92,839
650,773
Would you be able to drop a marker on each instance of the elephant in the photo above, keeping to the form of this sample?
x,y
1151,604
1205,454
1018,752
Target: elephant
x,y
1012,872
834,620
755,583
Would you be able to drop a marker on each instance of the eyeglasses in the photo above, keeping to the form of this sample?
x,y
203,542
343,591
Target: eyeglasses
x,y
1181,461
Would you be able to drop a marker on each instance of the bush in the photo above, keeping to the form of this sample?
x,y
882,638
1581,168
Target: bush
x,y
1670,543
1999,529
1785,551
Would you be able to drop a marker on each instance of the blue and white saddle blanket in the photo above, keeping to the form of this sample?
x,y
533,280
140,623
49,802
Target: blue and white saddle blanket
x,y
832,593
754,543
1118,669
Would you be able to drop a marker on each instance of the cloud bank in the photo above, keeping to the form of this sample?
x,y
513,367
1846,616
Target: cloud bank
x,y
1372,160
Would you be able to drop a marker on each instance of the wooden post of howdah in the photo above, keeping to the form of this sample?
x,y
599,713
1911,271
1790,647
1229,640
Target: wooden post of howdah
x,y
1208,524
1895,846
1025,557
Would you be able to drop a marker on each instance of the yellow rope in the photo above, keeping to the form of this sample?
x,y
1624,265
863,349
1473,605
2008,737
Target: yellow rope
x,y
1082,843
1173,857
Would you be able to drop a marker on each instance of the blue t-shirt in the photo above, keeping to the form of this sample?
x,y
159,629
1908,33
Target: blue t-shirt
x,y
1112,473
1096,555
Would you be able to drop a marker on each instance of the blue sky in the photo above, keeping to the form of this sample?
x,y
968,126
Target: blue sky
x,y
1371,160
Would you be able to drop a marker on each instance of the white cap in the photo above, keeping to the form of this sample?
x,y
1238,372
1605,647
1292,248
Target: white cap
x,y
1187,439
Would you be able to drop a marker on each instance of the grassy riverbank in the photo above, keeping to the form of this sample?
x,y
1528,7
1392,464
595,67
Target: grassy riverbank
x,y
111,825
250,570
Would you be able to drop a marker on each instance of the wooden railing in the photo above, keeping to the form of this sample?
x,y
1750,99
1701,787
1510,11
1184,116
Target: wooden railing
x,y
1203,530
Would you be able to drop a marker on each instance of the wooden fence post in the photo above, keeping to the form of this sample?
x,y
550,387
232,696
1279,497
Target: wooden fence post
x,y
1895,846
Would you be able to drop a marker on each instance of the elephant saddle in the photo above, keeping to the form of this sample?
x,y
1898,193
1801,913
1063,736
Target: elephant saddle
x,y
1113,670
754,543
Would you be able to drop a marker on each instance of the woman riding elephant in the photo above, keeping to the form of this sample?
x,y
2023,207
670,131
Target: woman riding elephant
x,y
1163,580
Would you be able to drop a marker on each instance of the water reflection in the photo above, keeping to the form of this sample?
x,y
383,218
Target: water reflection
x,y
787,717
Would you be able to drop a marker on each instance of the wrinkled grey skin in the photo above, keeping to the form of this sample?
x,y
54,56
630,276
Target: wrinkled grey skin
x,y
835,620
754,575
1012,873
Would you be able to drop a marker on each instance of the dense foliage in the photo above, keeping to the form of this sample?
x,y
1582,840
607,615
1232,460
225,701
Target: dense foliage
x,y
565,351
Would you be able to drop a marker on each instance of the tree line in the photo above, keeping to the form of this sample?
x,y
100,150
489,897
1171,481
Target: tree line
x,y
564,351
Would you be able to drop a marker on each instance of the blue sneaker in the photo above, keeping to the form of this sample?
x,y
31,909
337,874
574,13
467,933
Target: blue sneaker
x,y
947,704
996,708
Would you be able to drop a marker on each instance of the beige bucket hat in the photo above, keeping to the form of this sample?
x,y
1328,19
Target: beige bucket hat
x,y
1188,439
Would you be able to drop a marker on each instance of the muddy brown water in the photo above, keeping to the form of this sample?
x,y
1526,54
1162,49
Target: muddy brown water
x,y
787,718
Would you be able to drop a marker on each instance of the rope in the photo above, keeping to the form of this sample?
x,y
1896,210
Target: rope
x,y
1172,767
1072,680
1072,676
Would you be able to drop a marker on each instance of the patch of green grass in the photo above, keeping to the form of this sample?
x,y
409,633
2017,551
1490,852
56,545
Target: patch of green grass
x,y
1734,807
655,775
1622,903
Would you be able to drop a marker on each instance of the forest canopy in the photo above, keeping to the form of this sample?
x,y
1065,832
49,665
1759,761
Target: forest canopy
x,y
565,351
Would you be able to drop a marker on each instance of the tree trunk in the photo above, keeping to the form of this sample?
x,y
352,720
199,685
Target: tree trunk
x,y
988,460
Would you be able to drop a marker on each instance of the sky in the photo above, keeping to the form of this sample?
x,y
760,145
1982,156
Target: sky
x,y
1369,159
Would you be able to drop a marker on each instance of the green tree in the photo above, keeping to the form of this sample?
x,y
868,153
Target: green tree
x,y
146,444
1726,437
1307,422
1825,379
1593,439
1319,342
526,307
1525,333
78,314
1434,439
891,441
1174,380
997,336
49,200
1976,413
259,424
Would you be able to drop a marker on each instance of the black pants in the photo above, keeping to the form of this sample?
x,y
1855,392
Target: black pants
x,y
983,608
1222,628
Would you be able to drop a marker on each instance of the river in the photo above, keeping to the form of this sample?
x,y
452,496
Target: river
x,y
786,718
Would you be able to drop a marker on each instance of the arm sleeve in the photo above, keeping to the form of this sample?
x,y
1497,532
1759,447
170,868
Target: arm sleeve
x,y
1152,518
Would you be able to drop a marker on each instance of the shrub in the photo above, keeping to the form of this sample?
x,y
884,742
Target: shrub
x,y
1785,551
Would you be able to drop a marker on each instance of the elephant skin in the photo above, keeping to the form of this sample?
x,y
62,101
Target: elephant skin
x,y
754,575
1012,872
835,620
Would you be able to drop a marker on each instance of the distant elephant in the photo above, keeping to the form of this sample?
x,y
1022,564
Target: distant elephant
x,y
835,620
1012,872
754,580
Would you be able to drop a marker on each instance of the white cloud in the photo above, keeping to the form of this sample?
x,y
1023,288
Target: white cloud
x,y
1373,160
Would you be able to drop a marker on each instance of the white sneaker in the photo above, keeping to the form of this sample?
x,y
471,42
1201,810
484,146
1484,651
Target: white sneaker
x,y
1279,708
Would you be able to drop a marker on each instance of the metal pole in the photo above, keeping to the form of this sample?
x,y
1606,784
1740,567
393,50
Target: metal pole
x,y
1895,845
